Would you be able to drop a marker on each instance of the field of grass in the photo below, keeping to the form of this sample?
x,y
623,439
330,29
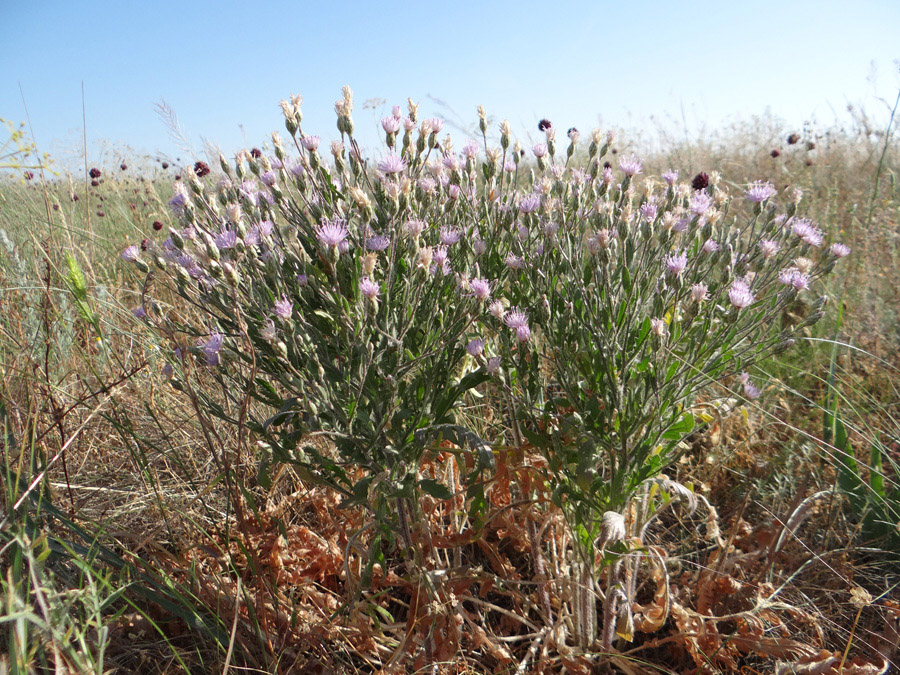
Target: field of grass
x,y
138,535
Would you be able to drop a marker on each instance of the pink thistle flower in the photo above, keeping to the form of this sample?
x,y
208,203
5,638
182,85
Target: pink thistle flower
x,y
475,347
284,308
509,166
414,228
451,162
453,191
700,203
699,292
470,150
523,333
426,184
807,231
769,247
481,288
369,288
649,211
751,391
529,203
378,242
710,246
450,236
435,124
211,348
392,164
515,262
479,246
630,166
540,150
670,177
839,250
302,280
760,191
658,326
332,232
226,239
493,365
794,278
391,125
607,176
132,253
515,318
495,309
676,263
739,294
311,143
268,178
440,261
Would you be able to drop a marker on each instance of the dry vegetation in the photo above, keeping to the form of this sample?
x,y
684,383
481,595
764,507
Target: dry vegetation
x,y
126,546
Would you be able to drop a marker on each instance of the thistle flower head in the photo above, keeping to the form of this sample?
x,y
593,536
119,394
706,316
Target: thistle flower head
x,y
670,177
793,277
769,247
496,309
648,211
369,288
391,164
493,365
284,308
391,125
806,230
760,191
630,166
700,203
470,150
475,347
539,150
676,263
710,246
132,253
226,239
658,327
529,203
481,288
515,262
450,235
332,232
699,292
211,348
378,242
515,318
740,295
751,391
839,250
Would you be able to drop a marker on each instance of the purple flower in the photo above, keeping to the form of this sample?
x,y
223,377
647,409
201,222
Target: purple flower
x,y
453,191
392,164
493,365
212,347
481,288
740,294
630,166
523,333
658,326
311,143
344,247
760,191
132,253
515,262
179,200
391,125
509,166
649,211
670,177
839,250
700,203
378,242
284,308
699,292
479,246
268,178
515,318
475,347
450,236
226,239
710,246
470,150
369,288
607,176
435,125
751,391
332,232
529,203
540,150
440,261
302,280
268,332
793,277
451,162
807,231
426,184
139,312
769,247
676,263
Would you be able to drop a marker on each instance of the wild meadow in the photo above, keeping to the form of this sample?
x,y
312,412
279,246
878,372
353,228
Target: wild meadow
x,y
462,403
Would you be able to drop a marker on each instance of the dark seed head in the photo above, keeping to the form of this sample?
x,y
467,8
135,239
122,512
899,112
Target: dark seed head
x,y
29,175
95,183
793,139
811,146
95,173
544,124
144,244
775,154
607,165
201,169
701,181
165,165
256,153
157,225
123,166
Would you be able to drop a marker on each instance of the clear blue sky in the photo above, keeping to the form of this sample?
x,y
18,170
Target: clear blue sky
x,y
224,66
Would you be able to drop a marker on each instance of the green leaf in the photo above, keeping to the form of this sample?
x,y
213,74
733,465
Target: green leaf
x,y
435,489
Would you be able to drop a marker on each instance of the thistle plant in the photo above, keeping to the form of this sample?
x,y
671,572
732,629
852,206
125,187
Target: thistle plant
x,y
358,300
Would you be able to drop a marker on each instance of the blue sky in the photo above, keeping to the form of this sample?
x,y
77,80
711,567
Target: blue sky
x,y
224,66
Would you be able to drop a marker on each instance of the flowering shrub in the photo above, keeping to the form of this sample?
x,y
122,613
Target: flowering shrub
x,y
361,300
